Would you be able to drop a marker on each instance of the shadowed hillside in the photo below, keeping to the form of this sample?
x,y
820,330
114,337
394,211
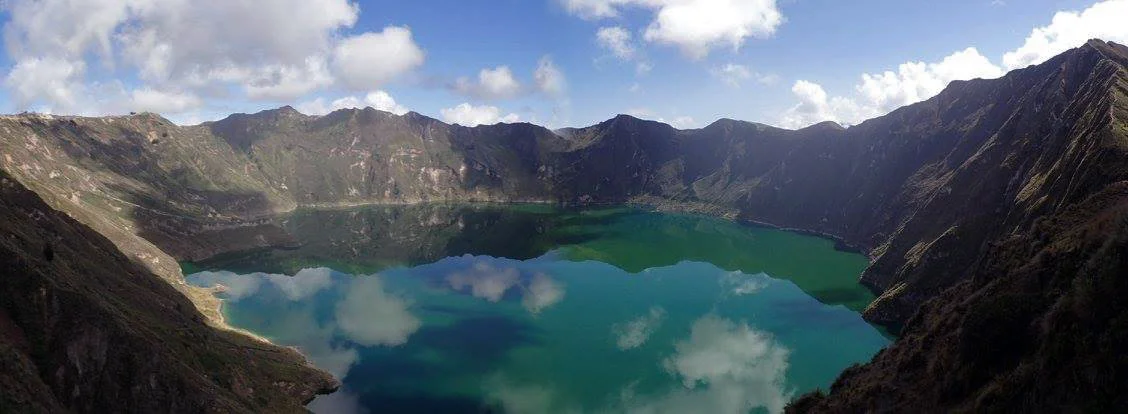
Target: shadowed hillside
x,y
86,329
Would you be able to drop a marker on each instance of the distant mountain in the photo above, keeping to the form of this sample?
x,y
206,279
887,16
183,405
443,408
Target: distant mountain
x,y
947,196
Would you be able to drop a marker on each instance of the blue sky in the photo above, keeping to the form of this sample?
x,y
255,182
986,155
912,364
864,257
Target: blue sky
x,y
785,62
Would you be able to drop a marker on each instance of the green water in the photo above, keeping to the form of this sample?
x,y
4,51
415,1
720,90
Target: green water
x,y
536,309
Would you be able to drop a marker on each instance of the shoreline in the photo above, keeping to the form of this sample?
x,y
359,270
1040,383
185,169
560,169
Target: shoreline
x,y
217,318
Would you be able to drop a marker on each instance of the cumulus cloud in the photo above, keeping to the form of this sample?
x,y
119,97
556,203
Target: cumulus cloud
x,y
616,40
303,284
371,316
182,54
917,81
369,60
697,26
741,284
377,99
520,398
492,83
469,115
1068,29
637,331
541,293
366,314
724,367
233,286
152,100
735,75
485,281
549,79
50,81
694,26
878,94
285,82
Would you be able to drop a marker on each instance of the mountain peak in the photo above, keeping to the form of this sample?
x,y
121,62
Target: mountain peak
x,y
1110,50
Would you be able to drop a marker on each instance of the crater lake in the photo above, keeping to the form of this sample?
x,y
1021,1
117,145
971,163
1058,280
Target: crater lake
x,y
541,309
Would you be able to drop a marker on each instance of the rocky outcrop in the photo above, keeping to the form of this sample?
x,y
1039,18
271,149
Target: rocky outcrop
x,y
83,328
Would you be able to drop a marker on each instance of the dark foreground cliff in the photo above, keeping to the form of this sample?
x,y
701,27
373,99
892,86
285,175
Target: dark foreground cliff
x,y
85,329
1041,326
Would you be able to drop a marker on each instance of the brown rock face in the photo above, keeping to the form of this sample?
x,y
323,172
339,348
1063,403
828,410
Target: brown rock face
x,y
85,329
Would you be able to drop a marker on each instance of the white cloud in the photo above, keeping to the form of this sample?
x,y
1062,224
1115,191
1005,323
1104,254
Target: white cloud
x,y
694,26
734,75
485,281
637,331
47,81
377,99
815,106
491,282
594,9
1104,20
369,60
304,284
470,115
643,68
617,40
285,82
184,54
916,81
549,78
541,293
152,100
233,286
741,284
681,122
697,26
371,316
724,367
520,398
878,94
495,83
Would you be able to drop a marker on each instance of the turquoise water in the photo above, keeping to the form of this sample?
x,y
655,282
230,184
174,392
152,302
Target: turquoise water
x,y
612,310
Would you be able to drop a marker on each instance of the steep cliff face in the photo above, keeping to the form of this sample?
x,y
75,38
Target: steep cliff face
x,y
1039,326
1035,319
929,186
84,328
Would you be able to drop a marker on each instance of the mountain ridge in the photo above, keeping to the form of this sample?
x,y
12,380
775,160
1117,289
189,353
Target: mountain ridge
x,y
929,191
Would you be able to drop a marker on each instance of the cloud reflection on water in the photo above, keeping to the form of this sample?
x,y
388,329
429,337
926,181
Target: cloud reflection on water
x,y
722,367
366,313
491,281
637,331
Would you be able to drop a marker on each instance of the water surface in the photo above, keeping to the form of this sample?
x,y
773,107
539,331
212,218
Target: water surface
x,y
447,308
